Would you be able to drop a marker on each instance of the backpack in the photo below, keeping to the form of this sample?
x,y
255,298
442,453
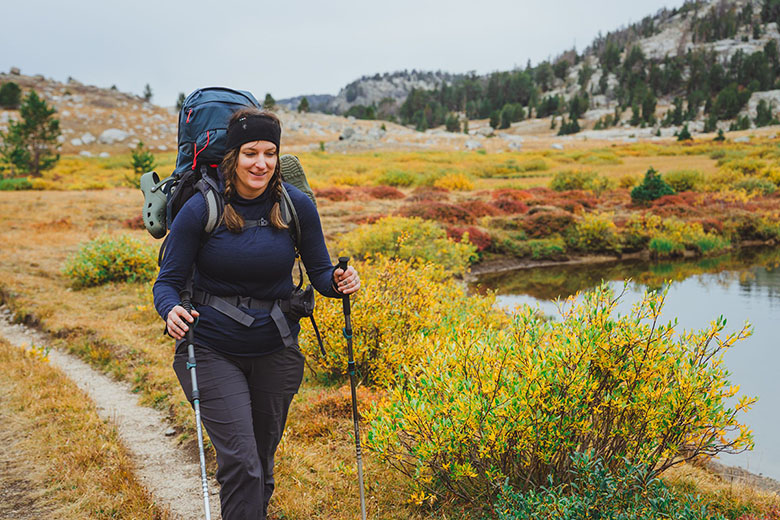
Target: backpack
x,y
202,137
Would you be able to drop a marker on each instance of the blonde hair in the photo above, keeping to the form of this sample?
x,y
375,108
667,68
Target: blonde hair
x,y
233,221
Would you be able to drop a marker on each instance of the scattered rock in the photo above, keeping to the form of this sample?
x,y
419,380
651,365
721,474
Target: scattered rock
x,y
60,139
347,133
85,153
113,135
104,155
557,146
170,432
15,71
87,138
742,139
162,148
76,142
472,144
485,131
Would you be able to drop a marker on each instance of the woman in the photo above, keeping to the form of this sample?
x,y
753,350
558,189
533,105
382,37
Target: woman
x,y
247,373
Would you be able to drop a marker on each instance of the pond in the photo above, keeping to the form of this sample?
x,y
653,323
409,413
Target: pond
x,y
741,287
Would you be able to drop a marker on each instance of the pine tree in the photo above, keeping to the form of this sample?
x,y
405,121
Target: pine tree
x,y
147,93
269,103
10,95
31,144
142,162
303,106
180,101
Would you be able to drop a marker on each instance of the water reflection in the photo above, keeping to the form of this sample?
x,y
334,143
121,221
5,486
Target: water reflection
x,y
742,287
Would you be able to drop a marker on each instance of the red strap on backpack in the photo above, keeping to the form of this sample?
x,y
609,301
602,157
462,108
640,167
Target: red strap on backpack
x,y
196,152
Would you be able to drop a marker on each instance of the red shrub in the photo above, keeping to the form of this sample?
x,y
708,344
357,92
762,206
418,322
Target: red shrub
x,y
546,223
510,206
439,211
476,236
676,211
384,192
512,193
333,193
480,208
366,219
711,225
429,193
136,222
685,198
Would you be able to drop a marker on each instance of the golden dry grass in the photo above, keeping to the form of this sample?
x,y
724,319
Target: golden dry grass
x,y
61,459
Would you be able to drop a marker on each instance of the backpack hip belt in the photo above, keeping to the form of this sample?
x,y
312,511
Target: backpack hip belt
x,y
228,305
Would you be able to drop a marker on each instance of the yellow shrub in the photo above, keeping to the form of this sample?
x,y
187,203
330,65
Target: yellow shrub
x,y
489,406
400,307
454,182
409,239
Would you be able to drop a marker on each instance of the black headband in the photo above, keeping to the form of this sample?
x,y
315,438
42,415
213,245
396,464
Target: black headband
x,y
253,128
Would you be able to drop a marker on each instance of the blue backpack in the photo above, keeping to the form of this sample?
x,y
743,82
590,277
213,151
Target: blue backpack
x,y
203,120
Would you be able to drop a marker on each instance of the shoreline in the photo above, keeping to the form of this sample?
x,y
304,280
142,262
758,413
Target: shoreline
x,y
500,264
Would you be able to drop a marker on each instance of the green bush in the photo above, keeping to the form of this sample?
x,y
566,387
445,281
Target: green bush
x,y
756,185
651,188
396,178
547,248
684,180
15,183
579,180
628,493
118,258
406,239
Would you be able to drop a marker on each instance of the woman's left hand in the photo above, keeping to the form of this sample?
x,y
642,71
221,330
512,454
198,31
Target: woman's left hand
x,y
346,282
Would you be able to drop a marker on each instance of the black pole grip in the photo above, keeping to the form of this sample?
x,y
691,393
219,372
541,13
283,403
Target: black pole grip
x,y
343,261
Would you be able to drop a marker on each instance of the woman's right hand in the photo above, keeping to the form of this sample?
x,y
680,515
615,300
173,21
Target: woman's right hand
x,y
178,320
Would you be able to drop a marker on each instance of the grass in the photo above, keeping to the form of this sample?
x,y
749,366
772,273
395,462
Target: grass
x,y
66,461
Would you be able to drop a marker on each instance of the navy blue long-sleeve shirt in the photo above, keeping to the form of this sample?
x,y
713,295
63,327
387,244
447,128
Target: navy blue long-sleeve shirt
x,y
257,262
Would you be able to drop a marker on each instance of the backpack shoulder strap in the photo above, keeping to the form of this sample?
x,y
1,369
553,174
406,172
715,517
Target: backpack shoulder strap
x,y
290,217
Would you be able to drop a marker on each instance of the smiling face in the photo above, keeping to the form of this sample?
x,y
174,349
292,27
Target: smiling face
x,y
255,167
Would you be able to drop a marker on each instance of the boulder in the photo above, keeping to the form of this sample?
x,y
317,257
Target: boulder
x,y
742,139
485,131
112,135
104,155
87,138
15,71
557,146
85,153
473,144
76,142
347,133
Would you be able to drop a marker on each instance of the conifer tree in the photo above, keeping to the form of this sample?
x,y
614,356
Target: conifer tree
x,y
10,95
147,93
180,101
30,145
303,106
269,103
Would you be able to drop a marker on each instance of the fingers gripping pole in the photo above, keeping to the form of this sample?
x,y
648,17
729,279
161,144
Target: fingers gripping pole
x,y
191,365
343,261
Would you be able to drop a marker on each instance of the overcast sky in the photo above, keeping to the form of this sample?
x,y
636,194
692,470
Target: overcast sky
x,y
293,47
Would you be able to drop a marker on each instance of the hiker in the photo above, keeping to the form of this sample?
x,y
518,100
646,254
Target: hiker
x,y
248,359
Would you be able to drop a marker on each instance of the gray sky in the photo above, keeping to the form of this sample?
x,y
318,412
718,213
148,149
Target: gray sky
x,y
294,47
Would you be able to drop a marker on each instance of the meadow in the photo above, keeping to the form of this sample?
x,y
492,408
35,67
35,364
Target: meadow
x,y
441,370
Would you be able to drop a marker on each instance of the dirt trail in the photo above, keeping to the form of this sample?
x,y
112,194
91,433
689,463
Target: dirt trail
x,y
168,473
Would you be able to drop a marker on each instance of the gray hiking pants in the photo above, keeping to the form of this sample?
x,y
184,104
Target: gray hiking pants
x,y
244,404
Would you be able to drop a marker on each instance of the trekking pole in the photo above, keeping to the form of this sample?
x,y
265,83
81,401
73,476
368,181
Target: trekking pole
x,y
352,376
196,404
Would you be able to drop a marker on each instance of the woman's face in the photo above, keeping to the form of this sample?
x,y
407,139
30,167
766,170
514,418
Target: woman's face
x,y
256,165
